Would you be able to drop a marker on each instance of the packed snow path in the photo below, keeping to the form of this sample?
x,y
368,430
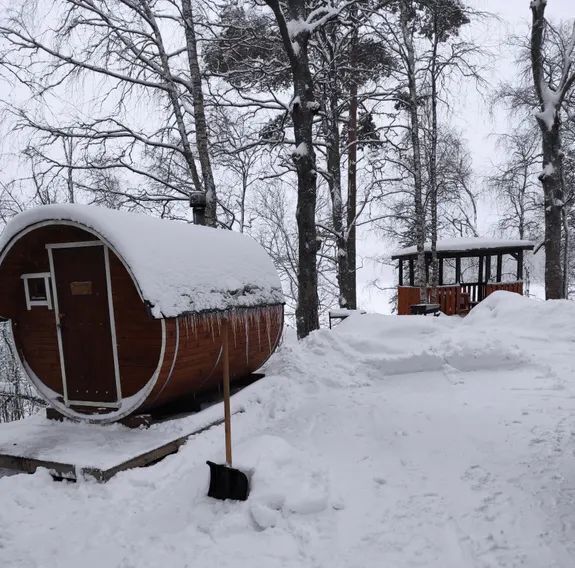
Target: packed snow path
x,y
389,441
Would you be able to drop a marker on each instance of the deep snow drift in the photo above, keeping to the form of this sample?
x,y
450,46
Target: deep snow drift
x,y
389,441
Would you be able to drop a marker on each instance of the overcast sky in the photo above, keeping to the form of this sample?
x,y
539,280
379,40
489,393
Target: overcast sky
x,y
476,122
473,116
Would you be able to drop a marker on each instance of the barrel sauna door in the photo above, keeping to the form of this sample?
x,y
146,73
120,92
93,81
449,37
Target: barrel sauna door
x,y
83,307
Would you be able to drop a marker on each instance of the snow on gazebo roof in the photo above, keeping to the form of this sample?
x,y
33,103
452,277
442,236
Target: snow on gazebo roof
x,y
470,245
178,267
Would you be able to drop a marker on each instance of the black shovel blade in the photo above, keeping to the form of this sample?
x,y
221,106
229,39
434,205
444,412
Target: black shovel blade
x,y
227,483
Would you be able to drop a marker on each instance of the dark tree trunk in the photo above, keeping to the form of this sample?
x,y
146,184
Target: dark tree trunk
x,y
553,194
433,163
307,316
566,245
349,288
304,107
549,120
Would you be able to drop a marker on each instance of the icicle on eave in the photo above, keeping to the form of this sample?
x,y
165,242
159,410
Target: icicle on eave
x,y
242,321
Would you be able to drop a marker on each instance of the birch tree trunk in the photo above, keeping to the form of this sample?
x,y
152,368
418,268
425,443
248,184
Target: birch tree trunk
x,y
295,38
331,98
419,221
202,135
173,95
69,153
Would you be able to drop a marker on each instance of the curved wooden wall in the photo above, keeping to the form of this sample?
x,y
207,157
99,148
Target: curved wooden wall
x,y
193,361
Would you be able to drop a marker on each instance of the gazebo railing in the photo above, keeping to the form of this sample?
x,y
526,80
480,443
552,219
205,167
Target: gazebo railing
x,y
474,290
516,287
456,298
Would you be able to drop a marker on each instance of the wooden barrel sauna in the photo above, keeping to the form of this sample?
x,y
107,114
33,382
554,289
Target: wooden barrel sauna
x,y
116,313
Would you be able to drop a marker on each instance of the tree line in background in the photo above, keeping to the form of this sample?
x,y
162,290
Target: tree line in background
x,y
301,122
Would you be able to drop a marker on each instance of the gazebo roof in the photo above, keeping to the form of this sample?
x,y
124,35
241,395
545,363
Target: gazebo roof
x,y
467,247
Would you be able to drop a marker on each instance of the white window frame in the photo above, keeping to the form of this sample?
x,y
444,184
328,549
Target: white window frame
x,y
37,275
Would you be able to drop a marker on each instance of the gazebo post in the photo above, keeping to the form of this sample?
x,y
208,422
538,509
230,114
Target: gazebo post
x,y
440,275
520,266
458,270
480,279
411,272
487,268
499,267
401,271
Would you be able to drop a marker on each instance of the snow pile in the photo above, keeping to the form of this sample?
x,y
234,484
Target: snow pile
x,y
462,244
388,441
178,267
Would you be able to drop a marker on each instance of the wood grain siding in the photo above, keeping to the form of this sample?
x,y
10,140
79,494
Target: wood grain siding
x,y
35,338
165,373
29,255
35,329
407,296
515,287
254,336
138,334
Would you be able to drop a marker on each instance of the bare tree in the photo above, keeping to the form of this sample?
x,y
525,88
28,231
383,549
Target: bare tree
x,y
274,229
17,397
412,101
457,209
297,22
241,159
515,186
125,44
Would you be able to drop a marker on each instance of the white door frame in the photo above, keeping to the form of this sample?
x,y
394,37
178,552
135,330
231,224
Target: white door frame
x,y
67,401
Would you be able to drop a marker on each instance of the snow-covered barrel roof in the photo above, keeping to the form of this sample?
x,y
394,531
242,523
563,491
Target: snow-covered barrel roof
x,y
471,245
178,267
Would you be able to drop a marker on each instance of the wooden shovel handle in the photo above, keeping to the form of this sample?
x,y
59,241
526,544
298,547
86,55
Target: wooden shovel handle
x,y
227,406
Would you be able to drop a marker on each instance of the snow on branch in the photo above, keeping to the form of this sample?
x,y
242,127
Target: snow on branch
x,y
567,76
550,101
315,19
321,16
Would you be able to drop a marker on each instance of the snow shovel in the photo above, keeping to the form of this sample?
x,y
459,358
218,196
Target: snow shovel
x,y
225,481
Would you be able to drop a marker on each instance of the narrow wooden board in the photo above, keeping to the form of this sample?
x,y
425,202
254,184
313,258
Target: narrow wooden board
x,y
71,472
148,458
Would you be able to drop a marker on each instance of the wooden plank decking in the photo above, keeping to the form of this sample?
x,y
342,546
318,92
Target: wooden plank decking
x,y
73,451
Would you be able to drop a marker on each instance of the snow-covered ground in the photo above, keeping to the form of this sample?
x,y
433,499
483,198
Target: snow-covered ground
x,y
389,441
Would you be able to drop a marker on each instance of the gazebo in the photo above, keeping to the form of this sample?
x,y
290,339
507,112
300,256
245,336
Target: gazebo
x,y
469,270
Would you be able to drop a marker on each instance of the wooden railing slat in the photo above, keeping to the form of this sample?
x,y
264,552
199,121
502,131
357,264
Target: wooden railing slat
x,y
448,297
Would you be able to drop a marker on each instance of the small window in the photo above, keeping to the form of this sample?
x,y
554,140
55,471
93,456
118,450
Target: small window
x,y
37,290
